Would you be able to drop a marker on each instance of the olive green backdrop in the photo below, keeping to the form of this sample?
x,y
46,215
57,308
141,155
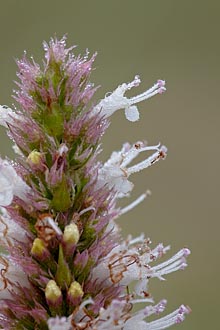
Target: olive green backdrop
x,y
168,39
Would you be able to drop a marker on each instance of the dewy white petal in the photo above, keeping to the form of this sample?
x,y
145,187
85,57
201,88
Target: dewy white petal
x,y
114,178
140,287
113,317
10,184
118,156
116,100
6,115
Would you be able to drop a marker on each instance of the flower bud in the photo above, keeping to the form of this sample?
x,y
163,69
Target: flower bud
x,y
54,297
36,160
74,294
40,252
71,234
34,157
70,239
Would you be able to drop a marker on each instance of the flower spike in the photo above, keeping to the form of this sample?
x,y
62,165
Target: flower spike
x,y
64,264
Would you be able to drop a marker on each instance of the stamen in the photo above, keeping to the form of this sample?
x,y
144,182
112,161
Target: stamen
x,y
90,208
139,239
159,308
173,264
157,88
135,151
175,317
161,153
177,256
137,201
171,269
159,251
142,300
88,301
53,224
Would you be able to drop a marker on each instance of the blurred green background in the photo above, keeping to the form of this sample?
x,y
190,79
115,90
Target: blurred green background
x,y
168,39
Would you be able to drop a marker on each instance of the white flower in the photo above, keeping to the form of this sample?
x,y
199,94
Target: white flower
x,y
131,260
114,173
116,100
10,184
117,316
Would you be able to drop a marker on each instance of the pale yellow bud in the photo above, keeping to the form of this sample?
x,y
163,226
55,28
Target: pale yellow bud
x,y
34,157
71,234
38,247
53,292
75,290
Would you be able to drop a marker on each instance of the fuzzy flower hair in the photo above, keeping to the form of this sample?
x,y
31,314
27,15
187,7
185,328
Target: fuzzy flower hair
x,y
63,262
